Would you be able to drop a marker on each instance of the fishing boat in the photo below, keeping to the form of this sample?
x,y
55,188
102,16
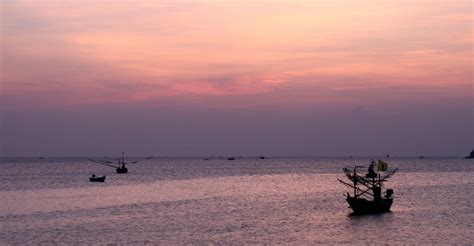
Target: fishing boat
x,y
94,178
122,168
119,164
367,188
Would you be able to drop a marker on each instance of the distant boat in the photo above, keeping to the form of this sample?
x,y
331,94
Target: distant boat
x,y
422,157
230,158
262,157
122,168
94,178
471,156
367,189
119,164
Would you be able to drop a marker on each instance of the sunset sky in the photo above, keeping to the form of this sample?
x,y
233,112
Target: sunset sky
x,y
199,78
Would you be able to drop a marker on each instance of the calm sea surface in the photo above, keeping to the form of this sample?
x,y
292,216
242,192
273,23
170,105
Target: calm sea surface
x,y
246,201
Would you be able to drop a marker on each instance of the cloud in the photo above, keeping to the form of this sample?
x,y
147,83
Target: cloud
x,y
281,52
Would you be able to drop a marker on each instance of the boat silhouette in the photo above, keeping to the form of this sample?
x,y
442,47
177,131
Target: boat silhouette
x,y
95,178
367,189
471,156
119,164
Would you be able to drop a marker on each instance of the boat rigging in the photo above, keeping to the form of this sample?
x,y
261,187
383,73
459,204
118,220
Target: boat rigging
x,y
367,188
119,164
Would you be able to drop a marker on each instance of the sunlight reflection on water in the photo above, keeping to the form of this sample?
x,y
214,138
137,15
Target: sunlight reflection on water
x,y
277,206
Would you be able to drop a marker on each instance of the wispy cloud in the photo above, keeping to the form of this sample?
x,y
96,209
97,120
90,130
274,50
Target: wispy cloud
x,y
141,52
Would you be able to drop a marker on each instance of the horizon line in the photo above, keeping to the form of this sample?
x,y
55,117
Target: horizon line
x,y
237,157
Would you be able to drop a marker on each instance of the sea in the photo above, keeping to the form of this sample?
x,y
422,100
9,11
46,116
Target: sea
x,y
181,201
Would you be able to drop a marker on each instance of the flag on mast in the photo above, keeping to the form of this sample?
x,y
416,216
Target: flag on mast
x,y
382,166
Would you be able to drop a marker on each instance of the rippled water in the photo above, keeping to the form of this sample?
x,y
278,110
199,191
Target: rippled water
x,y
273,201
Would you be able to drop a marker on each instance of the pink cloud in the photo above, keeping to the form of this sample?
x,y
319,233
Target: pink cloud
x,y
78,53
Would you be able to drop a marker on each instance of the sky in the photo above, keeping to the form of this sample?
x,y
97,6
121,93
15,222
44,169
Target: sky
x,y
243,78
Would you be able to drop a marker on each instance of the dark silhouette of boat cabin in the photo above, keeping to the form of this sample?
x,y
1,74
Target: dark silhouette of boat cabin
x,y
122,168
471,156
94,178
367,189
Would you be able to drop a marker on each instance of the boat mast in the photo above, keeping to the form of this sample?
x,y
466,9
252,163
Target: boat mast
x,y
380,182
355,181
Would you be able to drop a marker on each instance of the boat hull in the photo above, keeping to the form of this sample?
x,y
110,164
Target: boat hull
x,y
97,179
364,206
122,170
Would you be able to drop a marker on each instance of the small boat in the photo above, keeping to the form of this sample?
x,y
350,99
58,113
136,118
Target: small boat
x,y
119,164
122,168
261,157
231,158
367,189
94,178
471,156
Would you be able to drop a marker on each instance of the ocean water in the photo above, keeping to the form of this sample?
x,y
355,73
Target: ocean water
x,y
246,201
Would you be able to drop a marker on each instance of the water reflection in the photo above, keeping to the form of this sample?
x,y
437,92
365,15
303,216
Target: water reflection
x,y
271,204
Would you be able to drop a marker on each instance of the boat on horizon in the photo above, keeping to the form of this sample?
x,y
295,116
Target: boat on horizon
x,y
119,164
367,188
122,168
471,156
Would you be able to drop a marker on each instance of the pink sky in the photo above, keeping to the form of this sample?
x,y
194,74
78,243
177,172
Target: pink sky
x,y
248,55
